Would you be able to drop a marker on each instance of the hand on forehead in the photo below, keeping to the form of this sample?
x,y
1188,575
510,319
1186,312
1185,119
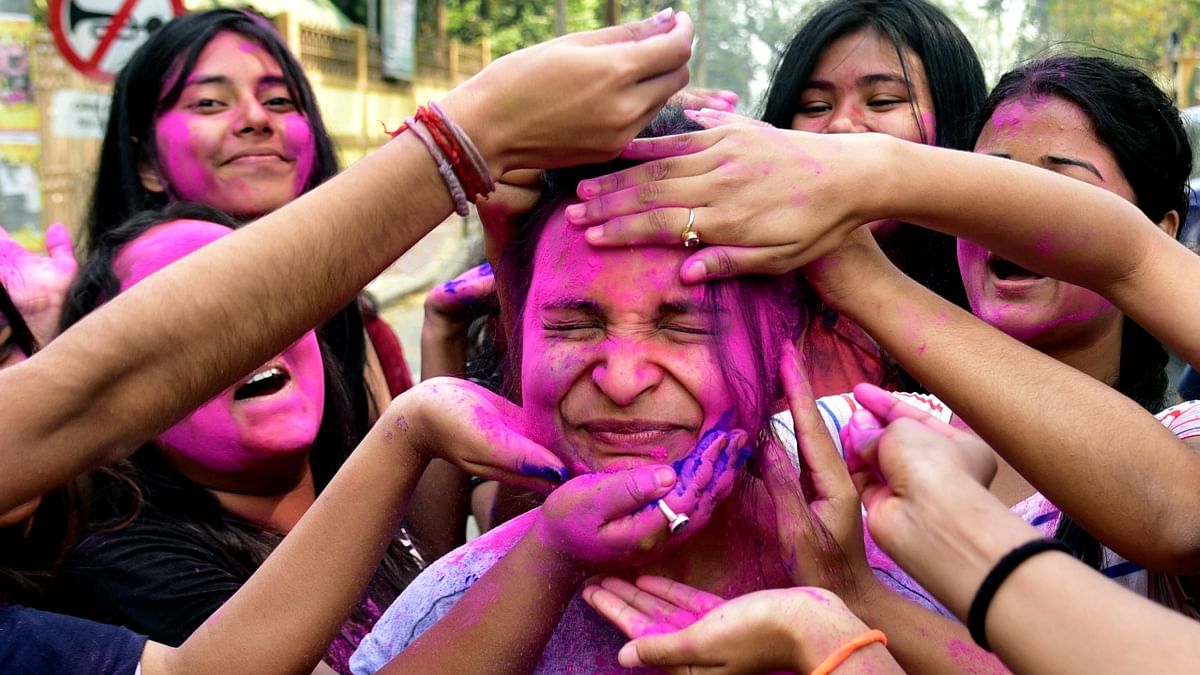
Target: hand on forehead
x,y
162,245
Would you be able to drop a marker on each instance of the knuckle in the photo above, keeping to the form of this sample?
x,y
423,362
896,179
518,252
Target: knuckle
x,y
659,169
649,193
725,264
679,143
658,223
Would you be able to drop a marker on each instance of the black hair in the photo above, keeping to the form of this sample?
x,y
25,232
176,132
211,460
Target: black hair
x,y
765,302
146,481
21,336
31,551
956,84
152,81
1140,125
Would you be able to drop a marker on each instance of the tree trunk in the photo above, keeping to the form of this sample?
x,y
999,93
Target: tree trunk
x,y
612,12
560,17
699,67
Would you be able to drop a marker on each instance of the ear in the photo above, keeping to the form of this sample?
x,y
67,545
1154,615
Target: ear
x,y
148,172
1170,224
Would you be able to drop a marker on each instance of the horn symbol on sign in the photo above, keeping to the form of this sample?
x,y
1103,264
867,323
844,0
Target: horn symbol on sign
x,y
77,14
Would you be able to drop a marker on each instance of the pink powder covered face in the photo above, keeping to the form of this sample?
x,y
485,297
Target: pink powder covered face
x,y
277,415
235,139
618,365
1057,135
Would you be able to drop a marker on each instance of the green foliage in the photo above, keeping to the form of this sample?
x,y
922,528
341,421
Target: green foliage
x,y
1134,28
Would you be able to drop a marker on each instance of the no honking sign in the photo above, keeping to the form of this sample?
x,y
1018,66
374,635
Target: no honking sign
x,y
97,37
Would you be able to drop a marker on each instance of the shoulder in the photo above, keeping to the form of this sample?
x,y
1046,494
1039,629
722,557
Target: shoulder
x,y
1183,419
156,577
33,641
836,412
431,596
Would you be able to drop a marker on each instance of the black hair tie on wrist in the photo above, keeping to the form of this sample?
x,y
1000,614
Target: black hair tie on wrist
x,y
977,615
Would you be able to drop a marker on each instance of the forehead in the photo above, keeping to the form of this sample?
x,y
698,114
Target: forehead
x,y
234,56
565,265
866,52
1038,122
162,245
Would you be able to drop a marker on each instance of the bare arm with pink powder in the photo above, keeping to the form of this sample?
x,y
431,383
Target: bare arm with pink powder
x,y
293,268
811,192
923,484
284,617
974,369
771,200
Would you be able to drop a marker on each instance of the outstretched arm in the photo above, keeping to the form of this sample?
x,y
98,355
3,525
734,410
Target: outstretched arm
x,y
1052,614
1107,451
149,356
284,617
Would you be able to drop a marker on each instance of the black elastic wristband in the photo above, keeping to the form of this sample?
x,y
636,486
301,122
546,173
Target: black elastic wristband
x,y
977,615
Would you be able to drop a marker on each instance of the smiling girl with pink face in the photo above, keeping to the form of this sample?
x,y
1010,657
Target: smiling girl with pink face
x,y
235,138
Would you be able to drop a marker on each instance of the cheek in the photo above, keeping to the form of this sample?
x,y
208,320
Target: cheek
x,y
301,145
971,257
199,436
181,153
929,124
310,373
806,123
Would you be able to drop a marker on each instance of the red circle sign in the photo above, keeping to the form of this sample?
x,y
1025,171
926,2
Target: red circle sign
x,y
97,37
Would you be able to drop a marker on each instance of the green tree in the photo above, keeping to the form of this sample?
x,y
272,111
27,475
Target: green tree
x,y
1134,28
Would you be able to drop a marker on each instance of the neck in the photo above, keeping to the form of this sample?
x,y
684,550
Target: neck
x,y
736,553
1097,354
279,511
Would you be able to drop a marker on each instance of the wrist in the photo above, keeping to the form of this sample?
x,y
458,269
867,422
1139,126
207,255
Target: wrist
x,y
549,558
969,531
467,105
439,326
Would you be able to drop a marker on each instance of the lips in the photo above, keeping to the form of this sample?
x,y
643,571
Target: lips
x,y
1005,270
256,156
626,433
266,382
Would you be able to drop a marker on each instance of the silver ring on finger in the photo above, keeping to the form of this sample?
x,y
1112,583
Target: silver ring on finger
x,y
675,521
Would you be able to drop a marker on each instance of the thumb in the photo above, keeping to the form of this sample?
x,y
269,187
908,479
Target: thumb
x,y
660,23
632,489
58,242
664,650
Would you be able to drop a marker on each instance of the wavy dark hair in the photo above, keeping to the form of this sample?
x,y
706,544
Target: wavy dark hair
x,y
1139,123
31,552
956,84
146,481
149,84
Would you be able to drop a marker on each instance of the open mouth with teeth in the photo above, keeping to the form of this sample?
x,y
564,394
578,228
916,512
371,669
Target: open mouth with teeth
x,y
263,383
1008,271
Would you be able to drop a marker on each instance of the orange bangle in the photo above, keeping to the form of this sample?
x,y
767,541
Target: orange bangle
x,y
844,652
